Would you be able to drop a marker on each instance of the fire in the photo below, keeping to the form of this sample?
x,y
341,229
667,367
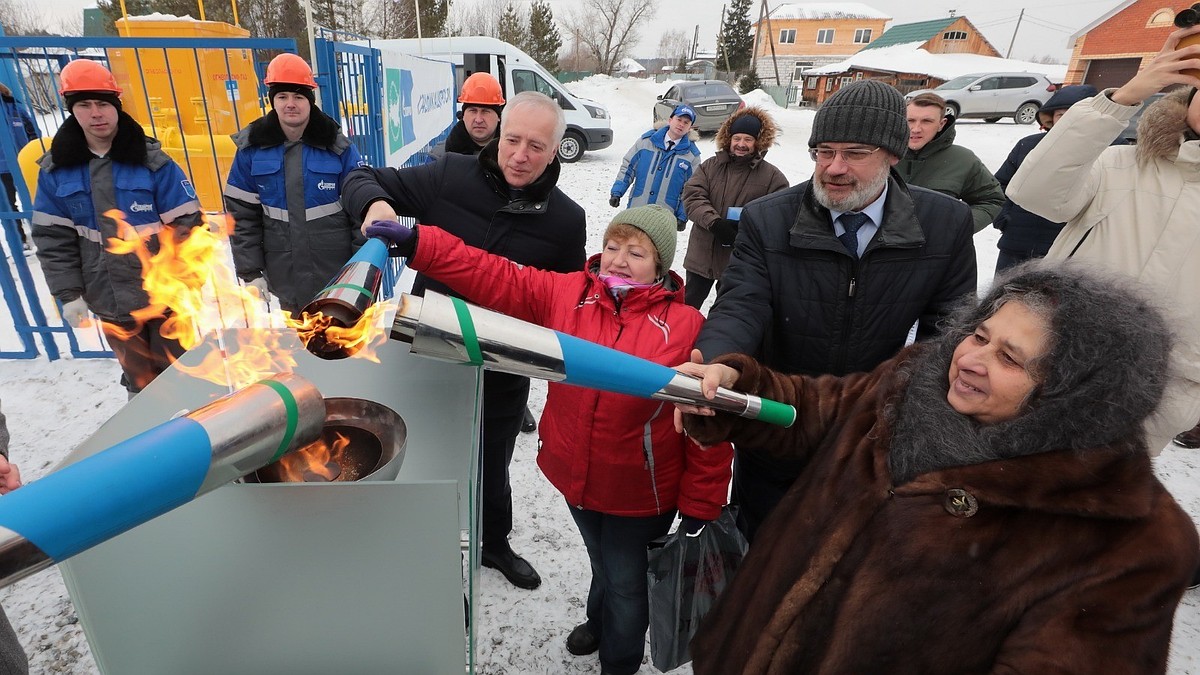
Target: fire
x,y
362,339
192,285
314,462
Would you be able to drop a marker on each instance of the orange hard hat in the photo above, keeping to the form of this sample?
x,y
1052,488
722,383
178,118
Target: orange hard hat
x,y
481,89
85,75
289,69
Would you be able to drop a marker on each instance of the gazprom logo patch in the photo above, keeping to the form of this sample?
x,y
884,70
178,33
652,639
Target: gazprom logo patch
x,y
326,185
141,208
187,186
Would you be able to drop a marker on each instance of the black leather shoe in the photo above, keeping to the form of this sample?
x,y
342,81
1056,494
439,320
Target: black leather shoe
x,y
581,642
516,569
1189,439
528,425
1191,587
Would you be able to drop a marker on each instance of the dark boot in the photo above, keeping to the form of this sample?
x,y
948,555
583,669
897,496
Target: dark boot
x,y
528,425
516,569
1189,439
582,642
1195,584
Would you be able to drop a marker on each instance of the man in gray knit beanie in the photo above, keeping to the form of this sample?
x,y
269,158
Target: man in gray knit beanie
x,y
831,275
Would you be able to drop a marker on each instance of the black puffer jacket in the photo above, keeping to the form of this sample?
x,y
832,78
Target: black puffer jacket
x,y
468,197
1024,233
795,299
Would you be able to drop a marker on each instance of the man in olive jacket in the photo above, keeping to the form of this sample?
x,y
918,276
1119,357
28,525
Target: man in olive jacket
x,y
503,200
933,161
715,195
796,297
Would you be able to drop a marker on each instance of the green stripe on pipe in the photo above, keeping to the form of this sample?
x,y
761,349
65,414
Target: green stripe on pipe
x,y
774,412
470,339
353,287
293,415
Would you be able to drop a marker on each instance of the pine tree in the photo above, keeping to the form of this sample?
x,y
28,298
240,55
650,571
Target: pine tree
x,y
544,40
734,43
511,28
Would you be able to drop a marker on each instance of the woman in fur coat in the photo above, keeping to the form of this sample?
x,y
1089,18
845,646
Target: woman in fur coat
x,y
979,504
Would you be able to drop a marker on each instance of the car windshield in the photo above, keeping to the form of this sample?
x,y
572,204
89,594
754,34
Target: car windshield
x,y
711,90
958,82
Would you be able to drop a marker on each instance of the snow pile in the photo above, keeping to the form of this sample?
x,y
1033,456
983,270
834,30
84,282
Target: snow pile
x,y
826,10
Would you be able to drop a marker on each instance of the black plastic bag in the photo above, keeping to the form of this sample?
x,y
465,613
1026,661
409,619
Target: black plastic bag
x,y
685,577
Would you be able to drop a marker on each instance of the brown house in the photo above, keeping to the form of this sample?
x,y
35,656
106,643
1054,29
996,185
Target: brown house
x,y
797,36
948,35
1110,50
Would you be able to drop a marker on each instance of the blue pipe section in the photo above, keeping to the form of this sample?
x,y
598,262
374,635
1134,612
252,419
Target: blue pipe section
x,y
106,494
374,252
598,367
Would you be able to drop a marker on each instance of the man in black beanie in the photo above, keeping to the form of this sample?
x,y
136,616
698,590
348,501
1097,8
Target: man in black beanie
x,y
290,234
836,274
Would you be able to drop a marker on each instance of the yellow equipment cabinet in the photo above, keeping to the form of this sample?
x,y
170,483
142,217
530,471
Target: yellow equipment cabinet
x,y
193,98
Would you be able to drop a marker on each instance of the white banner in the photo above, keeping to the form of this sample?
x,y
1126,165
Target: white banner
x,y
419,103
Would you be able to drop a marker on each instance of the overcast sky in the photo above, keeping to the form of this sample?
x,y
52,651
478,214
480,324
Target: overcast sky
x,y
1044,30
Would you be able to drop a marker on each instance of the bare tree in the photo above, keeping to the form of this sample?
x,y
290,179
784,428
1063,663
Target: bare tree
x,y
607,29
477,18
674,45
19,17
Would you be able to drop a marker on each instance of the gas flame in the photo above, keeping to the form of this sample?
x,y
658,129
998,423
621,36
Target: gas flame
x,y
192,286
316,460
362,339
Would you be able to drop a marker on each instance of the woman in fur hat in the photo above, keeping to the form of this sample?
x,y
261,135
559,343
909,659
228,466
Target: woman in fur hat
x,y
715,195
981,503
1134,209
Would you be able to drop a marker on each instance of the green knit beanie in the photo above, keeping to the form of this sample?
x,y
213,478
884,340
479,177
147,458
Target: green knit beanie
x,y
658,222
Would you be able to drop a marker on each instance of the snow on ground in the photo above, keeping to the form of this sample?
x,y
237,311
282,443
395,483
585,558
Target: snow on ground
x,y
52,406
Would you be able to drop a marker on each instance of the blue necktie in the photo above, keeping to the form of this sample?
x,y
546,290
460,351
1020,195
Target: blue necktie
x,y
849,239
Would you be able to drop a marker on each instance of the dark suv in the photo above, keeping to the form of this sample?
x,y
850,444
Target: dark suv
x,y
991,96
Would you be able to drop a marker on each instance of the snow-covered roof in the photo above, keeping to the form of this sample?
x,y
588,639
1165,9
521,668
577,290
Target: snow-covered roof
x,y
907,58
158,16
630,66
826,10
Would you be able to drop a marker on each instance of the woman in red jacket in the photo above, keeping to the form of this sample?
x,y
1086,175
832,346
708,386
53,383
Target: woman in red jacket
x,y
617,459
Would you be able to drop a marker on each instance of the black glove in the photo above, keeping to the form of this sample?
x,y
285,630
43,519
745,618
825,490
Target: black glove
x,y
680,224
725,231
614,201
692,526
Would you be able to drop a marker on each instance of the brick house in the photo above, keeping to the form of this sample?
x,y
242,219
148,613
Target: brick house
x,y
797,36
1110,50
948,35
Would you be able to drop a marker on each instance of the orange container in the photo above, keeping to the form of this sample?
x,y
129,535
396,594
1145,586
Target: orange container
x,y
1189,41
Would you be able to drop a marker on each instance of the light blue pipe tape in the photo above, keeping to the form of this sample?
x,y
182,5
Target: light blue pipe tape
x,y
110,492
375,252
591,365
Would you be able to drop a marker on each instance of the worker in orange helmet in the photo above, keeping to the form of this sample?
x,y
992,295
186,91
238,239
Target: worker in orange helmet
x,y
290,234
100,160
478,121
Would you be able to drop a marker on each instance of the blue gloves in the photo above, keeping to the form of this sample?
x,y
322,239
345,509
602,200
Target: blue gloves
x,y
401,239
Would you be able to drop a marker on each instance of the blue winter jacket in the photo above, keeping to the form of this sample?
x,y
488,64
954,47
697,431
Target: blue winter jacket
x,y
657,174
298,251
18,121
75,190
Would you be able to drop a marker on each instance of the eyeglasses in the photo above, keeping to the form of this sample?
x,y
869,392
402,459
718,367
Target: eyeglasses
x,y
852,156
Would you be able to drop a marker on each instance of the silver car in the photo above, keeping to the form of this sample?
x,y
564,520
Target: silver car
x,y
714,101
991,96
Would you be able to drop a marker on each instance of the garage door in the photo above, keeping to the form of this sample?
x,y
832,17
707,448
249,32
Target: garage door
x,y
1102,73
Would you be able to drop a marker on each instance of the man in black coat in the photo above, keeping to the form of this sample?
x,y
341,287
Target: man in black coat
x,y
1027,235
833,275
505,201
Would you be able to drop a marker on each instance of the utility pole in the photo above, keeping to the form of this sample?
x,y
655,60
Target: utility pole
x,y
724,48
1008,54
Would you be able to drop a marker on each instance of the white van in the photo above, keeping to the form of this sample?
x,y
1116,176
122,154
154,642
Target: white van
x,y
588,125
